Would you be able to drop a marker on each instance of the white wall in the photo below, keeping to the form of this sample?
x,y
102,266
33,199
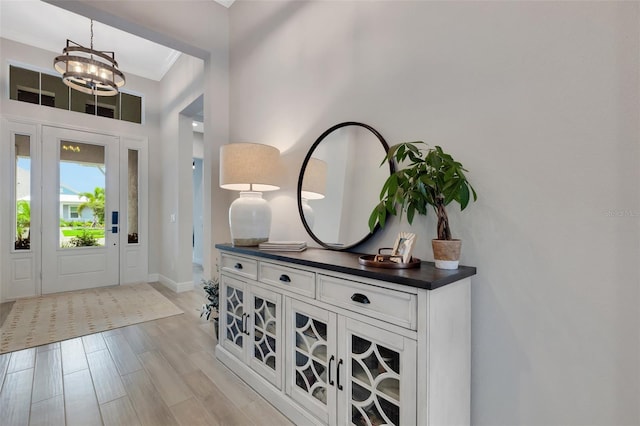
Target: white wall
x,y
197,211
539,100
198,145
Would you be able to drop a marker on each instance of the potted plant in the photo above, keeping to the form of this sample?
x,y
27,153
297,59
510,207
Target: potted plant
x,y
211,287
430,178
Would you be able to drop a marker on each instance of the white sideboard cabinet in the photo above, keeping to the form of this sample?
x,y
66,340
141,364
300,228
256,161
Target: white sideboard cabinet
x,y
331,342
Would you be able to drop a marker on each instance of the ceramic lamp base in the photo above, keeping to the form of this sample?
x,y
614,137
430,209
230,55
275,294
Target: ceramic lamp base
x,y
249,219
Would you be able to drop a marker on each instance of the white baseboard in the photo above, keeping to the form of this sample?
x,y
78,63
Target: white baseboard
x,y
172,285
153,278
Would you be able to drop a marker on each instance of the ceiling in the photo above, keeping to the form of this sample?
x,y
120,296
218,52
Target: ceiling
x,y
48,27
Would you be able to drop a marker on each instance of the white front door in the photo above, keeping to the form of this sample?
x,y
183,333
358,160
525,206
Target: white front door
x,y
80,210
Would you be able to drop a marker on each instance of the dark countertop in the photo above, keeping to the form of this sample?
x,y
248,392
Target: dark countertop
x,y
427,276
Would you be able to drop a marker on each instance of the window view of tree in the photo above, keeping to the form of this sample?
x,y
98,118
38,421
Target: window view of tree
x,y
83,233
82,194
94,202
23,223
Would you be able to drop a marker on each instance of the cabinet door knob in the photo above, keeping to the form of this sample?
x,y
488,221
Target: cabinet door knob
x,y
338,375
238,266
360,298
331,382
285,278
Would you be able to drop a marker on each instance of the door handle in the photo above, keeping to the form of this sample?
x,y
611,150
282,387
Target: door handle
x,y
244,325
338,375
331,382
360,298
285,278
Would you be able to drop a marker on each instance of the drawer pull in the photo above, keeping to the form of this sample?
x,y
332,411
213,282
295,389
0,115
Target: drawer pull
x,y
331,382
238,266
285,278
360,298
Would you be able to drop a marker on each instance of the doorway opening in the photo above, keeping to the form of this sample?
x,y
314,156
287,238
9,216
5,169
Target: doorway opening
x,y
195,142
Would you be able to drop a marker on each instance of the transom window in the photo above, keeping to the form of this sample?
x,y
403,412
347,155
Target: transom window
x,y
44,89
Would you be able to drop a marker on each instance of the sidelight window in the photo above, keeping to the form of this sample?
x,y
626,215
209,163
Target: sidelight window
x,y
22,192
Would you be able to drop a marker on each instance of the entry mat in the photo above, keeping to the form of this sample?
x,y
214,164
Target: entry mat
x,y
46,319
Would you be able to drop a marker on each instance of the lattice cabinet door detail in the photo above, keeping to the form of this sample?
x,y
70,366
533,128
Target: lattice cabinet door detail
x,y
266,342
234,315
311,359
380,376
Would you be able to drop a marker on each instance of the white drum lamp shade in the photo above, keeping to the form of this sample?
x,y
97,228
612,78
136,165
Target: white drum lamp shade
x,y
314,186
252,169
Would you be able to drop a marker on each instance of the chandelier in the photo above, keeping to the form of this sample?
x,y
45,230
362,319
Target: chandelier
x,y
89,71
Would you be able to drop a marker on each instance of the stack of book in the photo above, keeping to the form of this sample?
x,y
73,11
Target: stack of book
x,y
283,245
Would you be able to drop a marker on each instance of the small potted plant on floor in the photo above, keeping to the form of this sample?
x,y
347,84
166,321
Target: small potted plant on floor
x,y
430,178
211,288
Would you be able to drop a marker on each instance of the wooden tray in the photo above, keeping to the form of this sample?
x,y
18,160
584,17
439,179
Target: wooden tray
x,y
370,260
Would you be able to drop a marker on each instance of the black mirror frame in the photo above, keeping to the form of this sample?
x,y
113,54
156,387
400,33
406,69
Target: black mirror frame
x,y
304,167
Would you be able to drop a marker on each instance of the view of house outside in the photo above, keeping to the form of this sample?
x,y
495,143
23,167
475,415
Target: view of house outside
x,y
81,207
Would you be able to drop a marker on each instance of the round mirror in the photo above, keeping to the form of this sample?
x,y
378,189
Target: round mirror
x,y
339,184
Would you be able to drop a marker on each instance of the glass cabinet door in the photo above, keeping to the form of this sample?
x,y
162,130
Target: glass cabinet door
x,y
233,316
265,352
311,359
380,376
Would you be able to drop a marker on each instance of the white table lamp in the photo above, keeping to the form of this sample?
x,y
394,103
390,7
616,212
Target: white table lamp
x,y
314,186
251,169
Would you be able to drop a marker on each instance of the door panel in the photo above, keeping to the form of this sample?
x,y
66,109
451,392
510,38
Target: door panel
x,y
134,240
80,241
233,314
310,358
378,375
20,174
266,338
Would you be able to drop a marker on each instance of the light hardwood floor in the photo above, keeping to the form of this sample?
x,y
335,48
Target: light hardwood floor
x,y
162,372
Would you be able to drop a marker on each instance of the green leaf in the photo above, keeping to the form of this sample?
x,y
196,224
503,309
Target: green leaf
x,y
400,153
382,217
451,183
389,205
411,211
449,196
385,187
373,219
427,180
393,183
449,173
464,196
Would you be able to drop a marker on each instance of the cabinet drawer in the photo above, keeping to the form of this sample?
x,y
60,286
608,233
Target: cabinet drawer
x,y
239,265
294,280
393,306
